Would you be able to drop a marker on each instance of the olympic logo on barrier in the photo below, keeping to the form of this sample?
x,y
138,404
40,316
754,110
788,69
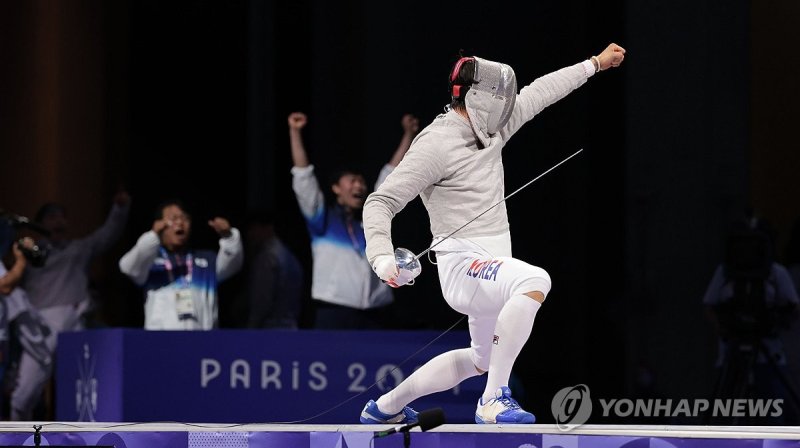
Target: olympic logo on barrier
x,y
571,407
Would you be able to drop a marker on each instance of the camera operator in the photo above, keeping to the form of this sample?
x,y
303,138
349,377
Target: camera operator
x,y
59,291
14,304
750,301
11,277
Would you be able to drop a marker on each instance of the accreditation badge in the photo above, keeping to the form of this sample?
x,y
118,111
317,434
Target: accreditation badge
x,y
184,304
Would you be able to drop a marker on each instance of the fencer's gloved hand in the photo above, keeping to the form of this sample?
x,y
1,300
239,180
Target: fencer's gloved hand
x,y
385,266
398,270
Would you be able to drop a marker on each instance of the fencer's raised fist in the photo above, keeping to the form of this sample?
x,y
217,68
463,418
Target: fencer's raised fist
x,y
612,56
410,124
297,120
385,267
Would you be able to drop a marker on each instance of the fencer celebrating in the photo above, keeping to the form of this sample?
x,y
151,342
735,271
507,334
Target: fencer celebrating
x,y
455,166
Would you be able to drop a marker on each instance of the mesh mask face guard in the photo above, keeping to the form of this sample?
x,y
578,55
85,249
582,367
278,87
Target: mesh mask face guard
x,y
491,98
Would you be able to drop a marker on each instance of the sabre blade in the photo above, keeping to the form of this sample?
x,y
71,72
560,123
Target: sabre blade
x,y
417,257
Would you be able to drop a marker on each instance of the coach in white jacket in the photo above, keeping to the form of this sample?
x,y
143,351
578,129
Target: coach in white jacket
x,y
181,283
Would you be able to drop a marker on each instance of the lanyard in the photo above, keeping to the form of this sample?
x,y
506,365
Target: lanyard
x,y
168,265
351,232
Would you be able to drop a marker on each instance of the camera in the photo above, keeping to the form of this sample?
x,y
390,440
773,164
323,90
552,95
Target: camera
x,y
750,313
36,254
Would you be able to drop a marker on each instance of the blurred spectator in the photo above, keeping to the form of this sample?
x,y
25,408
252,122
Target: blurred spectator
x,y
751,301
791,338
345,291
274,283
180,283
792,255
10,295
58,291
10,278
22,328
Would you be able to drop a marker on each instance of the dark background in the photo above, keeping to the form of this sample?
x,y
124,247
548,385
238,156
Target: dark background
x,y
189,99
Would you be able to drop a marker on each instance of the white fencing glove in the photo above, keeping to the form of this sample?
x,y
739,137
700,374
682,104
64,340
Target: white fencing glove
x,y
385,267
398,270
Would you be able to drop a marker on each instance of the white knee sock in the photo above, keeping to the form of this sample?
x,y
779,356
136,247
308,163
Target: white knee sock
x,y
514,325
440,373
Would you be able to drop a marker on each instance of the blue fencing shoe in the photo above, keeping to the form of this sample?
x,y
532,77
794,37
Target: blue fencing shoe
x,y
371,414
502,409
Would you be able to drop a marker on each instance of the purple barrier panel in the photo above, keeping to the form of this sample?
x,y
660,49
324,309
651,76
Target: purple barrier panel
x,y
117,440
459,440
248,376
137,439
507,440
63,439
420,440
675,442
453,440
563,440
325,440
523,440
587,441
281,439
706,443
771,443
209,439
89,376
14,438
612,442
356,439
432,440
667,442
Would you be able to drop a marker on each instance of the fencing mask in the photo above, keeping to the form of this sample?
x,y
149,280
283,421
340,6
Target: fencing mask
x,y
490,100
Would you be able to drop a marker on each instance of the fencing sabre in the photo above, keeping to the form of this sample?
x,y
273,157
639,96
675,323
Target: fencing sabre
x,y
408,264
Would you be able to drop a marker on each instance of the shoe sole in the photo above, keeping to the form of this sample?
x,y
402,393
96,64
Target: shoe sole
x,y
368,419
480,421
